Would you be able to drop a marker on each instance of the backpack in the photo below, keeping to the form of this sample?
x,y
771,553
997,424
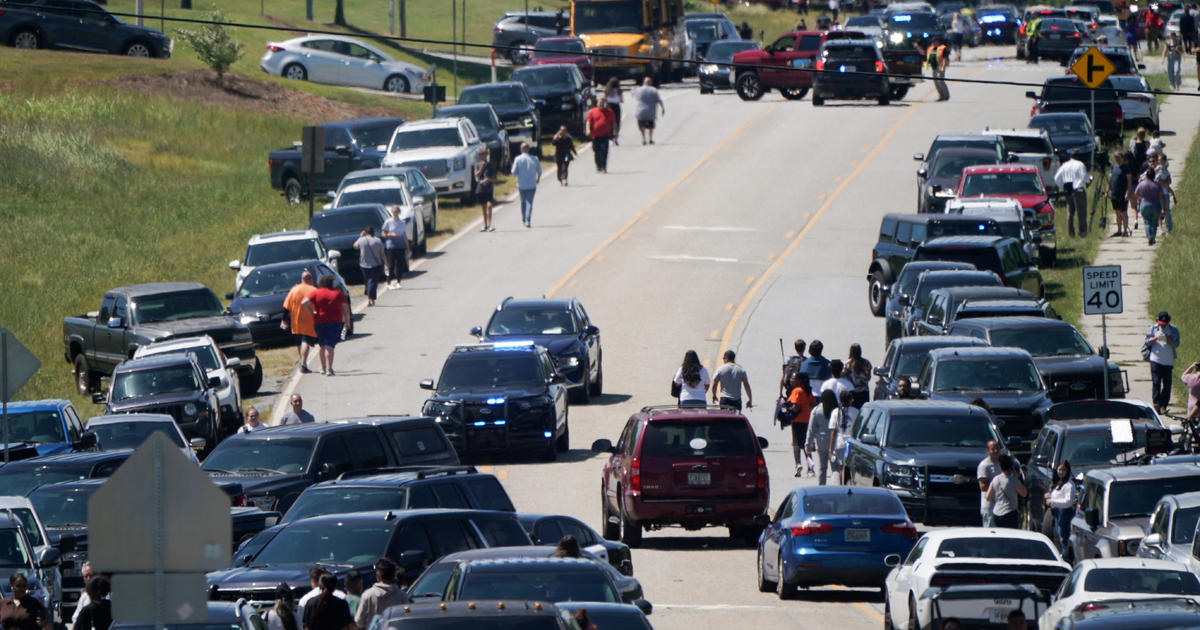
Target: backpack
x,y
791,367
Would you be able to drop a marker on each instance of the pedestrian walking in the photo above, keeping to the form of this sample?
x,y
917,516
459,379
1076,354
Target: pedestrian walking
x,y
858,372
1196,48
1032,39
370,261
1157,160
20,610
816,367
1072,177
1159,349
1150,199
1187,27
987,470
331,314
564,153
691,381
283,615
798,407
1131,40
599,126
839,429
614,96
837,381
87,573
354,589
1191,380
1139,146
314,581
297,319
383,594
97,615
1060,500
803,25
326,611
728,381
485,186
937,60
528,170
801,8
1120,189
957,34
745,31
395,242
1173,55
648,106
253,422
298,414
817,441
835,8
1003,492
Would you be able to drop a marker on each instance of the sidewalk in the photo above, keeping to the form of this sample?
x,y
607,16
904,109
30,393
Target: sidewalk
x,y
1179,118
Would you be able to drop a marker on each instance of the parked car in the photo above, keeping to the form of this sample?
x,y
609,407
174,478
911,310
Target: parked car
x,y
548,529
417,185
563,94
339,228
831,535
1139,105
716,69
445,151
78,25
516,109
945,169
843,68
1123,61
20,557
350,145
901,293
1024,183
907,28
1115,506
258,303
1058,38
277,247
871,25
479,614
1145,614
726,482
215,365
572,50
491,131
1070,132
1013,220
386,193
338,60
998,23
1172,528
625,616
906,355
45,427
945,141
972,33
23,477
1030,146
899,236
516,29
914,309
1003,255
129,430
1101,105
21,510
701,33
946,307
172,384
1093,582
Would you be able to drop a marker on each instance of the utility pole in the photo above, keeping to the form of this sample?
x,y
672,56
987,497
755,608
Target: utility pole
x,y
403,21
454,42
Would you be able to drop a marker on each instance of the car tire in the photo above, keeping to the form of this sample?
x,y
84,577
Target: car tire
x,y
887,610
817,100
563,443
631,531
423,239
27,39
608,529
583,395
85,381
295,71
138,48
749,87
913,622
431,221
251,383
293,192
783,588
396,84
1048,255
876,298
884,99
764,585
793,94
597,388
898,92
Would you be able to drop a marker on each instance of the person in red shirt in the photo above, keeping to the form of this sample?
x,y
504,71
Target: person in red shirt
x,y
330,311
600,123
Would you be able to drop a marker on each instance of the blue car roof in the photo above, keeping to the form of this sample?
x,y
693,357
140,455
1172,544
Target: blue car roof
x,y
45,404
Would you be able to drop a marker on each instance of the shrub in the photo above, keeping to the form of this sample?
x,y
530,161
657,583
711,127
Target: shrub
x,y
214,46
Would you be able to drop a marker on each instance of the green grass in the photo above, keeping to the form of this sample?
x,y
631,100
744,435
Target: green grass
x,y
1064,282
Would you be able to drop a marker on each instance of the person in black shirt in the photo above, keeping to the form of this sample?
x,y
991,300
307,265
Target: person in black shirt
x,y
1119,188
22,611
485,177
97,615
328,611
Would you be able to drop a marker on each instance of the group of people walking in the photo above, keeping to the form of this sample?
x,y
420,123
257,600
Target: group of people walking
x,y
1141,177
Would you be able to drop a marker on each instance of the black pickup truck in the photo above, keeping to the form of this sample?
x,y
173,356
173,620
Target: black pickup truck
x,y
1068,94
130,317
350,145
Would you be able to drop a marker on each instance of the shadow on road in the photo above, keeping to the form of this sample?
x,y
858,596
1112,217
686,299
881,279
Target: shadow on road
x,y
608,399
840,596
572,456
689,543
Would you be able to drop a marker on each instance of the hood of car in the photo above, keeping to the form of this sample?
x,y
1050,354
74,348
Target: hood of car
x,y
557,344
483,393
1129,527
941,456
549,92
508,113
400,158
249,578
998,400
193,327
159,400
266,483
343,242
262,304
560,58
1069,363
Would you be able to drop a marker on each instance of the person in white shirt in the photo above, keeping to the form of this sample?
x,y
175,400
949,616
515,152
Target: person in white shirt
x,y
839,429
817,440
837,382
691,381
1073,178
284,615
1061,501
252,421
87,572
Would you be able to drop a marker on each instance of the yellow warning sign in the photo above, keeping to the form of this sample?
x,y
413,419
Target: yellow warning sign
x,y
1092,67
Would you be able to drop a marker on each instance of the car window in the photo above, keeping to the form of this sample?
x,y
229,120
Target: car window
x,y
490,370
887,229
581,532
1025,144
367,449
114,435
625,445
871,424
856,504
991,374
783,44
421,497
335,453
1141,580
448,536
1046,456
1068,585
412,537
1005,548
449,496
29,524
577,584
532,320
716,438
1043,341
809,43
422,138
418,441
354,50
489,494
916,552
903,233
1136,497
335,222
1158,522
947,431
786,507
548,531
501,531
1184,526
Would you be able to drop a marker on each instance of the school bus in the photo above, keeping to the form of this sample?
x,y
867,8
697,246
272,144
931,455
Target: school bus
x,y
639,34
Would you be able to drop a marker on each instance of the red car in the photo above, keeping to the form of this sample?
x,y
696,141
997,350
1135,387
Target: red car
x,y
684,467
1022,182
562,50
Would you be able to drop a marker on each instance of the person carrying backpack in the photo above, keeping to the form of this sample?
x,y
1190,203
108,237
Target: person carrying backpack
x,y
791,365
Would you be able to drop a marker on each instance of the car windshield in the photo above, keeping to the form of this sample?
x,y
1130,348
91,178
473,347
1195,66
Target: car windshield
x,y
170,379
544,77
932,284
841,54
984,258
13,553
1076,91
1043,341
724,50
861,21
991,374
260,456
850,503
1062,126
507,96
997,547
62,507
619,16
1140,580
914,22
999,184
374,135
336,499
282,251
691,438
981,142
962,228
485,371
548,49
1129,83
30,525
481,118
1137,497
1027,144
272,282
345,221
532,321
423,138
166,307
549,585
113,435
1094,447
331,542
945,431
703,31
951,164
36,427
20,480
387,196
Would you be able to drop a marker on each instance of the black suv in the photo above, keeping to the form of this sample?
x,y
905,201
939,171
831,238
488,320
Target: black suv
x,y
947,306
501,397
491,131
340,227
1003,255
78,25
945,169
564,329
901,293
850,69
456,487
276,464
172,384
516,109
941,141
926,452
1004,378
562,89
913,307
22,477
906,355
1065,359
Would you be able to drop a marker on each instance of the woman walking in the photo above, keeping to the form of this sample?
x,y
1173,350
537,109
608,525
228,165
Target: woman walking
x,y
283,616
1003,493
1173,55
97,615
691,382
799,404
564,152
485,178
1149,198
1061,501
818,433
858,372
613,96
839,429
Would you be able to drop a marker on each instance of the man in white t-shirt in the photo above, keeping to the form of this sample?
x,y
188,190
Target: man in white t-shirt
x,y
987,470
314,580
836,382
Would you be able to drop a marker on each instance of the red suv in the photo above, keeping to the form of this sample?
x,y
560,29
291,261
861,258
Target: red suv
x,y
688,467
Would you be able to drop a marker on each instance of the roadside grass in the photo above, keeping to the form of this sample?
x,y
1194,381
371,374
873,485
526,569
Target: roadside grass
x,y
1064,282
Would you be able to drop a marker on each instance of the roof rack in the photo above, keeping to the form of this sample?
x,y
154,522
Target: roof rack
x,y
422,471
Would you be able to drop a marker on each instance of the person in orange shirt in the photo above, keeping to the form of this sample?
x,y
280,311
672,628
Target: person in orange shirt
x,y
800,401
299,319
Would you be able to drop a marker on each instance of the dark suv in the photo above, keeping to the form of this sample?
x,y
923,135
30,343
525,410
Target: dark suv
x,y
906,355
850,69
566,331
562,89
947,306
945,169
688,467
78,25
944,140
912,308
491,131
172,384
1003,255
901,293
501,398
516,109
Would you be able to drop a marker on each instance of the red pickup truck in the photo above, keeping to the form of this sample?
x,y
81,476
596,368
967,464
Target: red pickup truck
x,y
757,71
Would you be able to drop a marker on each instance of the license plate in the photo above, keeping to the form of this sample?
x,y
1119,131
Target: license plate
x,y
847,68
700,509
997,615
858,535
699,478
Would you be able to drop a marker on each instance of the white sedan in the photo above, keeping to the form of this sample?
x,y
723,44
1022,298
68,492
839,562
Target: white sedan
x,y
341,61
969,555
1095,581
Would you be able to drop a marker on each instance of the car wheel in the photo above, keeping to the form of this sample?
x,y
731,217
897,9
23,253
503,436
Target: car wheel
x,y
396,84
876,297
28,40
750,87
139,49
887,610
631,531
295,71
793,94
817,100
898,92
292,191
764,585
423,239
608,529
597,388
1048,255
563,443
431,221
583,395
913,623
884,100
85,382
783,588
251,383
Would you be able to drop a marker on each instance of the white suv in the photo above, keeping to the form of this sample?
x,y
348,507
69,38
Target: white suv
x,y
445,150
390,192
265,249
214,363
1030,146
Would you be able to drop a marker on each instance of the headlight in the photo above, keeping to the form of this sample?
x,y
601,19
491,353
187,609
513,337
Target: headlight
x,y
900,475
529,404
424,76
896,38
709,68
439,410
265,502
190,409
571,361
527,121
459,163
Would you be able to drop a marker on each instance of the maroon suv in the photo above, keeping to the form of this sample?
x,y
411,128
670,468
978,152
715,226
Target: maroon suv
x,y
688,467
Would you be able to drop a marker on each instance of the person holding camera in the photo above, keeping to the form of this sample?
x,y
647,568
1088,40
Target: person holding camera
x,y
1159,349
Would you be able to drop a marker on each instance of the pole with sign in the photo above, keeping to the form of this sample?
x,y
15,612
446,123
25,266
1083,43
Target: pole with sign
x,y
17,365
1102,295
1092,68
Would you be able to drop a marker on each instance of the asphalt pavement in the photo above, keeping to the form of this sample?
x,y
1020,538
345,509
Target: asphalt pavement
x,y
745,223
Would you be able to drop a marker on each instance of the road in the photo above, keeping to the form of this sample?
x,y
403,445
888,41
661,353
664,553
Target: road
x,y
745,223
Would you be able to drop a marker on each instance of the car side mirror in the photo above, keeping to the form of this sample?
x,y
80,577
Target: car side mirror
x,y
1103,352
244,560
115,322
592,330
99,398
413,558
918,157
235,264
48,557
66,543
936,188
331,194
645,606
603,446
1091,516
879,370
477,331
233,362
342,149
1013,159
214,382
556,378
229,295
891,560
762,442
1153,540
334,254
86,441
1141,66
327,471
870,439
197,443
762,520
427,383
1031,94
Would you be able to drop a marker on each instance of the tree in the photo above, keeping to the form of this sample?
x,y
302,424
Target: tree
x,y
214,46
339,13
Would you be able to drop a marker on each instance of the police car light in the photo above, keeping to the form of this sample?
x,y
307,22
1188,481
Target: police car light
x,y
501,345
547,434
479,423
991,19
901,18
495,401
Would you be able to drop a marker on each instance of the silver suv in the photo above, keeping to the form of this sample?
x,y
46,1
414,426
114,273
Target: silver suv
x,y
1116,503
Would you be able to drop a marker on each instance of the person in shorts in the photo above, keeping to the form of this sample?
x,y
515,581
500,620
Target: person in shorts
x,y
485,176
647,98
331,312
298,320
1120,187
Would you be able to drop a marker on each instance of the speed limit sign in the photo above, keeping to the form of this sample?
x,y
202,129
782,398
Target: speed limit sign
x,y
1102,290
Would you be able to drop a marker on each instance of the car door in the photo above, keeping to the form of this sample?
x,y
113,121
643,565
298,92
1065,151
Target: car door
x,y
367,449
339,159
336,456
1084,538
885,372
931,321
617,465
410,548
61,24
1160,523
901,253
592,341
779,55
557,391
113,342
773,534
320,59
361,67
899,581
1038,472
98,30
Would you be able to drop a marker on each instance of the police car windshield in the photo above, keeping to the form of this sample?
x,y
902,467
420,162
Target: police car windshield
x,y
491,370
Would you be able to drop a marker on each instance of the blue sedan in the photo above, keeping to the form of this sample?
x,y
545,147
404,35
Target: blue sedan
x,y
833,535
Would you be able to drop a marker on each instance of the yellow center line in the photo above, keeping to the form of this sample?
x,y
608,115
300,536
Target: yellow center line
x,y
870,612
621,233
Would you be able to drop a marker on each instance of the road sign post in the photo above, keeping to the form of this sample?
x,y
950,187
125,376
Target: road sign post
x,y
1092,68
1102,294
312,158
17,365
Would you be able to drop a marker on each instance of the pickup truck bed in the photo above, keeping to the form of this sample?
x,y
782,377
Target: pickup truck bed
x,y
1068,94
350,145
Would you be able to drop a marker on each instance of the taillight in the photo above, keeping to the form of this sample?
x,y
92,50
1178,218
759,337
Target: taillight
x,y
239,500
904,528
1045,213
820,65
635,476
274,48
1033,111
879,67
811,527
1120,115
762,474
1046,162
1076,35
1091,606
497,29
